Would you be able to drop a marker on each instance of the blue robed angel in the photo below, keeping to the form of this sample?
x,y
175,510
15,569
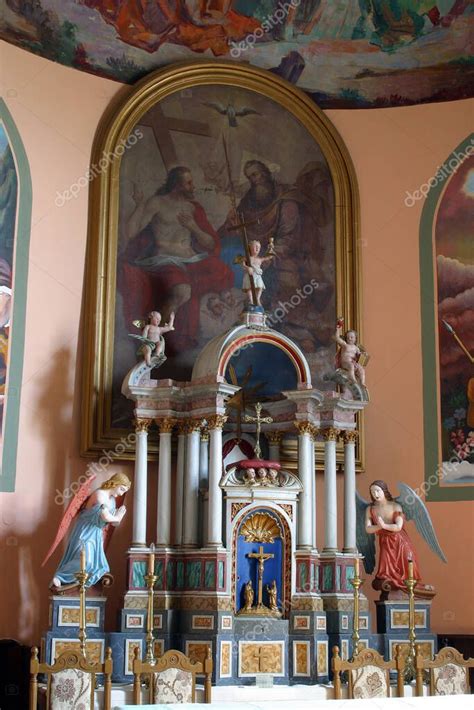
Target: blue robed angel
x,y
96,512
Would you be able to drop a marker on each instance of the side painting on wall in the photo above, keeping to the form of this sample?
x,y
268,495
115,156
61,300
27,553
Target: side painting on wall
x,y
345,53
450,210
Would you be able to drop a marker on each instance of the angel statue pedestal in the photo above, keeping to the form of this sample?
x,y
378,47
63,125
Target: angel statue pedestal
x,y
393,626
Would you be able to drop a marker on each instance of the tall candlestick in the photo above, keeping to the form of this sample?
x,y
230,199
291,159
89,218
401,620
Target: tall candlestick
x,y
356,583
410,569
151,560
356,567
150,580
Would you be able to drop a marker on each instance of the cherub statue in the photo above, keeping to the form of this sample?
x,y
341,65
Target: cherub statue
x,y
272,596
151,338
255,269
347,358
262,476
248,596
94,513
385,517
250,476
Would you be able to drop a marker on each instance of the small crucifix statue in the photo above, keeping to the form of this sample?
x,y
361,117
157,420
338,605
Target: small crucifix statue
x,y
262,557
258,420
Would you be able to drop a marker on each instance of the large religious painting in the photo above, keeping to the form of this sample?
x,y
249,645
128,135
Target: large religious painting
x,y
209,152
345,53
449,356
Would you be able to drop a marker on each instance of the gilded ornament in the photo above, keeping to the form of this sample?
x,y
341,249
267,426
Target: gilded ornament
x,y
142,425
350,436
166,425
331,434
260,527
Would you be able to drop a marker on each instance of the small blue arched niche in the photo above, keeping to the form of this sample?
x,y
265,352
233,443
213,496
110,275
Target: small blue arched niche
x,y
271,369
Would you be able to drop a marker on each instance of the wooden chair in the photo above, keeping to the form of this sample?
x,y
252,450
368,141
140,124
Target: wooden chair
x,y
70,680
172,679
448,672
368,673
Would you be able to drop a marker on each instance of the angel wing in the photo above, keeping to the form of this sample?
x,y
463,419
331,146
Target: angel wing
x,y
216,106
416,510
244,111
140,324
73,508
365,542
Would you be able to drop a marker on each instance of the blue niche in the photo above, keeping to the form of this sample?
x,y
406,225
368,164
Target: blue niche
x,y
247,568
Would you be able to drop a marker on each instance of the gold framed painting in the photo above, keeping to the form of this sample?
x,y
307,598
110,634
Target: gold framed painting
x,y
173,163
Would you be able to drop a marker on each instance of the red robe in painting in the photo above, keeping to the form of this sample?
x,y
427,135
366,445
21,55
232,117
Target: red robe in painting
x,y
149,23
395,549
144,290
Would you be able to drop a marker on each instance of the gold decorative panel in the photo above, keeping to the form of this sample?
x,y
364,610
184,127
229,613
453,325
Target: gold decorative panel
x,y
94,649
69,615
301,622
322,651
425,647
301,658
130,647
203,622
226,659
197,650
258,658
399,619
158,647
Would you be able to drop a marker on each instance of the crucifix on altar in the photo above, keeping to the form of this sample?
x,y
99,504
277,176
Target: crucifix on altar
x,y
258,420
262,557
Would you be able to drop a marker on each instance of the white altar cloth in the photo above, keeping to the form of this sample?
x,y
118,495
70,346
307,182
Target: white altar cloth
x,y
451,702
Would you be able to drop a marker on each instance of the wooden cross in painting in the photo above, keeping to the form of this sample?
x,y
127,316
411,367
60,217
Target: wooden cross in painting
x,y
162,127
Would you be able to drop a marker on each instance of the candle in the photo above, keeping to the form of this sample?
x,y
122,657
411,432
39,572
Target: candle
x,y
83,558
151,560
410,569
356,568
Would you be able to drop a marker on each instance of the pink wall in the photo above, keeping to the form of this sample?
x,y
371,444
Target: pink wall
x,y
56,111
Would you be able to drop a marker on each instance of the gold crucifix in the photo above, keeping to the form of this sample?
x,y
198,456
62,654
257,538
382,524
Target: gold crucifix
x,y
262,557
258,420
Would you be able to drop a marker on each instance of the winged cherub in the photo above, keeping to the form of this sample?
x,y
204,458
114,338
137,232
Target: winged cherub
x,y
384,517
230,111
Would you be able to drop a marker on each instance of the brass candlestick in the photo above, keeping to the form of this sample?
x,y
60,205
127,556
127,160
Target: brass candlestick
x,y
410,661
356,583
82,578
150,580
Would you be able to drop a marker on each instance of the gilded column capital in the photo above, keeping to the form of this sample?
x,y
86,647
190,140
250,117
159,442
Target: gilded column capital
x,y
216,421
304,427
274,437
142,425
182,426
331,434
193,425
349,436
205,432
315,432
166,425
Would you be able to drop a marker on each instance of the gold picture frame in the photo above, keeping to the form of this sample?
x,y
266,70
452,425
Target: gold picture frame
x,y
97,433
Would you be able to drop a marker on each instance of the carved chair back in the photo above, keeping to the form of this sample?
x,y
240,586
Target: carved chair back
x,y
448,672
71,680
172,679
368,674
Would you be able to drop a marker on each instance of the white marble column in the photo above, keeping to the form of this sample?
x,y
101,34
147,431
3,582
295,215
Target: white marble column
x,y
274,438
214,511
204,458
350,541
163,518
191,485
330,489
305,460
179,491
139,487
314,434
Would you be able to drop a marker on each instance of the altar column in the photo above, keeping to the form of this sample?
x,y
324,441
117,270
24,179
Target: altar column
x,y
214,524
139,487
274,438
350,541
204,478
163,518
305,460
314,434
191,485
179,491
330,489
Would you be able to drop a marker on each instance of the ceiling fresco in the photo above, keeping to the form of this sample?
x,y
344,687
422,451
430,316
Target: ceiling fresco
x,y
345,54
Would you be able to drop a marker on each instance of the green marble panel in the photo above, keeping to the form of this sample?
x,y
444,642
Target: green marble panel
x,y
159,574
179,574
209,575
311,578
169,575
327,578
350,574
338,577
193,574
139,570
302,575
220,572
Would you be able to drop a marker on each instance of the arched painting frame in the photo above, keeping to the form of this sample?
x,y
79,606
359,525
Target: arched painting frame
x,y
104,283
446,271
19,279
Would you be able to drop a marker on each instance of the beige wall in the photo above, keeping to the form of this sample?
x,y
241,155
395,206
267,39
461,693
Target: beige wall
x,y
56,111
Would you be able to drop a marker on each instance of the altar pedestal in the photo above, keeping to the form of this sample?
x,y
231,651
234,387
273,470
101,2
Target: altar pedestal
x,y
392,626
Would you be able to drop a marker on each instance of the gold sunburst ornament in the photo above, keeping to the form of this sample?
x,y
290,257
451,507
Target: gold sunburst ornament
x,y
260,527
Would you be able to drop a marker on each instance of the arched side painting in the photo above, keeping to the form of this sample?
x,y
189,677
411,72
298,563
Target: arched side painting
x,y
447,270
209,152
